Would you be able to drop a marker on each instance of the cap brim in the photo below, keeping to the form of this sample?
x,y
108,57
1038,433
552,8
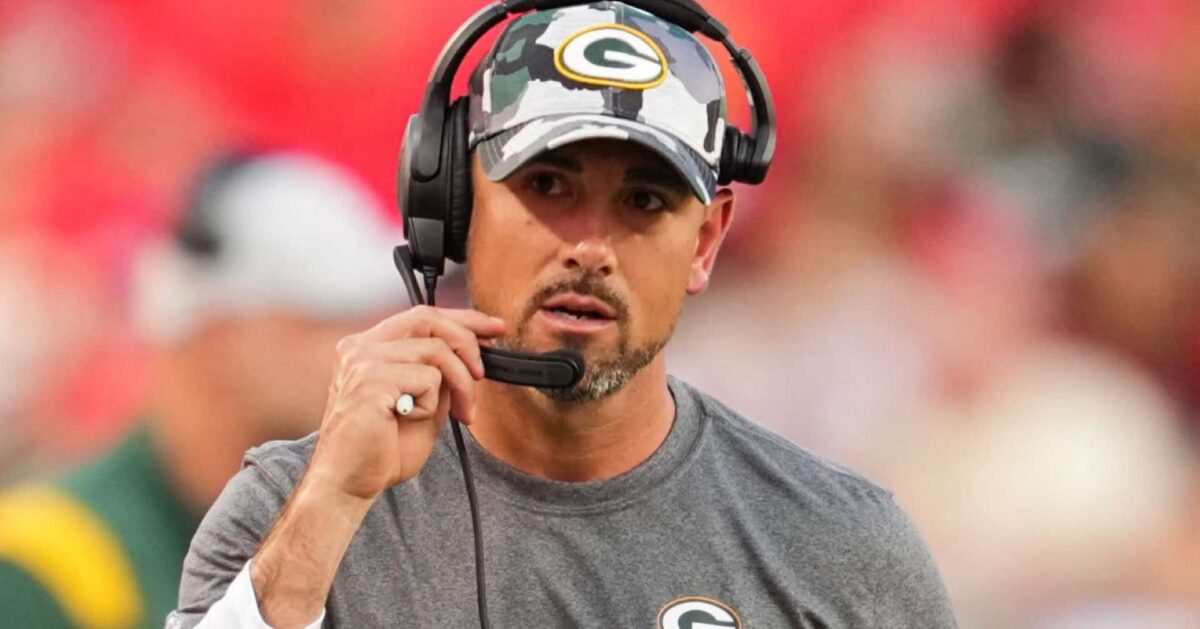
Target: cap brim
x,y
505,152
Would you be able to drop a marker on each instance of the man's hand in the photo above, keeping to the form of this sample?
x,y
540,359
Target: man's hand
x,y
365,446
429,353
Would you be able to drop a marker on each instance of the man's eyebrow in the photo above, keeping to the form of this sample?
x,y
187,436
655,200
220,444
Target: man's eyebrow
x,y
550,158
658,176
646,174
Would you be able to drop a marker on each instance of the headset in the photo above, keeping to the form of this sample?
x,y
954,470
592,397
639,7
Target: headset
x,y
436,198
435,167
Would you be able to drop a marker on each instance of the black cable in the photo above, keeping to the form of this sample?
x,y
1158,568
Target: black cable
x,y
476,526
469,479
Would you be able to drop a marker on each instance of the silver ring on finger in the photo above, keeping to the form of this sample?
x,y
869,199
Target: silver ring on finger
x,y
405,404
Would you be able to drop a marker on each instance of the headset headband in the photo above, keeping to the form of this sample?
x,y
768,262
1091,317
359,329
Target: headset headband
x,y
686,14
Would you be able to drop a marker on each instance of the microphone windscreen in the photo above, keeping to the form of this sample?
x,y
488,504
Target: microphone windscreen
x,y
573,357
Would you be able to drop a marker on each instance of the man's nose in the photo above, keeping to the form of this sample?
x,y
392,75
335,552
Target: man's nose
x,y
587,247
589,255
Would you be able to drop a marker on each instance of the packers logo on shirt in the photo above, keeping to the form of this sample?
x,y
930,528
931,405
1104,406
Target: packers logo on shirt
x,y
612,55
697,612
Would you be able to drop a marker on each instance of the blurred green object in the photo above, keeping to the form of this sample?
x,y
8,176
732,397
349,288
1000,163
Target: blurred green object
x,y
103,546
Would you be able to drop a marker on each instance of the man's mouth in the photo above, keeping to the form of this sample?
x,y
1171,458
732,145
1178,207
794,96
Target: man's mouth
x,y
579,307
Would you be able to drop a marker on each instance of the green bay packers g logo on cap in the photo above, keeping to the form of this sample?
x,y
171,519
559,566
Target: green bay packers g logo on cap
x,y
698,612
612,55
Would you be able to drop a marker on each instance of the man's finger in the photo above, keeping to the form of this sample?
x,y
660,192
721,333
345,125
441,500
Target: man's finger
x,y
447,325
422,382
420,317
437,352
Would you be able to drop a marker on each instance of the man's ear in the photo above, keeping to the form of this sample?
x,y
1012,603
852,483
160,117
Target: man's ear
x,y
717,219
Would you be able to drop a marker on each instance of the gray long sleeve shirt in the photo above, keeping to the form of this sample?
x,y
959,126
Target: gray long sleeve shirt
x,y
726,525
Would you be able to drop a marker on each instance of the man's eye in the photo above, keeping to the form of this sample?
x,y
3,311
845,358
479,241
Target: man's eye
x,y
547,184
646,201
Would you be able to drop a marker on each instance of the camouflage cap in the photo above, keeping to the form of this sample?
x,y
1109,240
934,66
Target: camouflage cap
x,y
602,70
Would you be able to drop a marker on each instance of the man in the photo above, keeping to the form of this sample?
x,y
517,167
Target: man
x,y
277,258
629,500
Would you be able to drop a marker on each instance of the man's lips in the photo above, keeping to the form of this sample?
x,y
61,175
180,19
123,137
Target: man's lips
x,y
581,306
564,323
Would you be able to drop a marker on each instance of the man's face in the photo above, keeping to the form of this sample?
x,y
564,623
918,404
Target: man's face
x,y
592,247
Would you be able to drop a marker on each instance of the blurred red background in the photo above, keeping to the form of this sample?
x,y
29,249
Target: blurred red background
x,y
959,186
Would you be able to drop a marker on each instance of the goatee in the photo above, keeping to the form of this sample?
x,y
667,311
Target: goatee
x,y
601,378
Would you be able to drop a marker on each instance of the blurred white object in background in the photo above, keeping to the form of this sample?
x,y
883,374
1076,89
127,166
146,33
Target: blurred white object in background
x,y
1060,482
294,231
44,318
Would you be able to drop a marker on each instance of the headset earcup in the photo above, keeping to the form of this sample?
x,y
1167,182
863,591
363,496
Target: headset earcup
x,y
460,197
737,159
730,168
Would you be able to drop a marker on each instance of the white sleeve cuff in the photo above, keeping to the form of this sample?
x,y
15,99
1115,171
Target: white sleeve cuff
x,y
238,609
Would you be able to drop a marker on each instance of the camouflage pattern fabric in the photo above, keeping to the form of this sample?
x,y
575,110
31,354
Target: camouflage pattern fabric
x,y
604,70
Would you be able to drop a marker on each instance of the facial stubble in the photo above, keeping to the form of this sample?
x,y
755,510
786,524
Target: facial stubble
x,y
602,377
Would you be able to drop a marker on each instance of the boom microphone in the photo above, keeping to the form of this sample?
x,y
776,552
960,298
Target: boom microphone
x,y
560,369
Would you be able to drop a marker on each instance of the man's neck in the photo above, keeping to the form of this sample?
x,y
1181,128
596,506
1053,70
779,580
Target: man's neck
x,y
576,442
